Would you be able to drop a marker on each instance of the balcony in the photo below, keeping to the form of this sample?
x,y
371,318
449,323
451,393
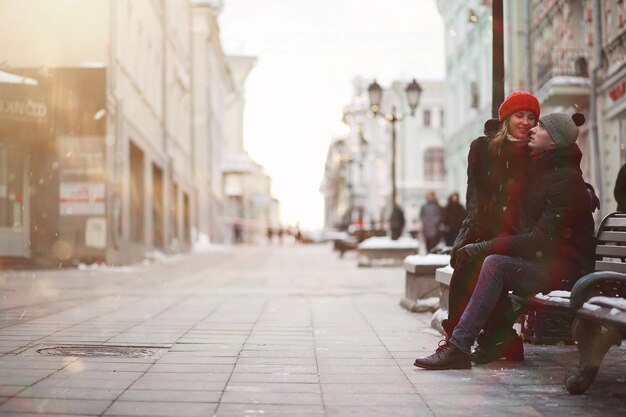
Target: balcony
x,y
563,77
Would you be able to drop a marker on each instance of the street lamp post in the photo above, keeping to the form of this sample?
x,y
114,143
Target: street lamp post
x,y
413,93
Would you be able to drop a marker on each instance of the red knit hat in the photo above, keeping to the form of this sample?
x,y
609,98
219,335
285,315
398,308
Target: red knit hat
x,y
516,101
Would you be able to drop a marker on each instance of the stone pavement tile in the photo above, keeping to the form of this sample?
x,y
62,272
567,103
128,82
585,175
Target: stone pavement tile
x,y
38,391
373,362
444,399
14,414
276,361
244,410
109,375
7,373
282,398
293,353
374,411
580,411
171,396
462,387
8,390
219,369
405,388
349,353
197,360
84,383
164,384
276,369
184,376
275,387
205,347
359,369
489,410
362,379
20,380
80,365
289,378
24,362
160,409
373,400
54,406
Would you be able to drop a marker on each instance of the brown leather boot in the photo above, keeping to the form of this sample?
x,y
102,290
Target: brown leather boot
x,y
447,356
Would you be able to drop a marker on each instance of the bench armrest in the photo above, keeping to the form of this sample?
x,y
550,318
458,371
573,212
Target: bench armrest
x,y
590,284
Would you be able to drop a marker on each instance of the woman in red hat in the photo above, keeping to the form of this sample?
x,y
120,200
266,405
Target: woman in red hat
x,y
497,179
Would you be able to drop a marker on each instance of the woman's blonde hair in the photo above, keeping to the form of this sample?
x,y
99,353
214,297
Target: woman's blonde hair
x,y
496,141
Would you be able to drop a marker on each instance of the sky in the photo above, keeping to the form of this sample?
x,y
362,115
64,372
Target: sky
x,y
308,53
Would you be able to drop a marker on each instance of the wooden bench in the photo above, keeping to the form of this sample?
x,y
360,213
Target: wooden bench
x,y
599,302
548,319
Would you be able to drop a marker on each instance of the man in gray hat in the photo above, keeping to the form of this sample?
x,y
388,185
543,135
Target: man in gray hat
x,y
556,249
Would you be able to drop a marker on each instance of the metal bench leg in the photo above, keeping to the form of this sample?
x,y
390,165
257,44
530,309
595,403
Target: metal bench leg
x,y
593,341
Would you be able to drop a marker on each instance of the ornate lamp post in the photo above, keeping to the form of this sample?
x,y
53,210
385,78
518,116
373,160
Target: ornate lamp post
x,y
413,93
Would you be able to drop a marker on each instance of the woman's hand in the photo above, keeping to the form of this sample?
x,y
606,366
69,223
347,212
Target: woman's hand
x,y
472,251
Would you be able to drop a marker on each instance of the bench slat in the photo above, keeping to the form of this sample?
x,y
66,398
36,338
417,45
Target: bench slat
x,y
615,222
611,250
612,237
610,266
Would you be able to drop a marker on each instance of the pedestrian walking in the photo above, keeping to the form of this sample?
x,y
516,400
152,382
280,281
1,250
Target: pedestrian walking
x,y
497,177
269,233
551,255
430,216
620,189
453,215
396,222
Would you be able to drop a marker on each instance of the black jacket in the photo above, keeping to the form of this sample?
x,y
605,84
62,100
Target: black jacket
x,y
495,187
558,206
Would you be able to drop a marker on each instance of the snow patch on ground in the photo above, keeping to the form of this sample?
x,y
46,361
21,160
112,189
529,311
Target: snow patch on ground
x,y
203,245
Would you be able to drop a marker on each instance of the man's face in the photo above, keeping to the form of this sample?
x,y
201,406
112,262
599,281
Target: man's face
x,y
540,139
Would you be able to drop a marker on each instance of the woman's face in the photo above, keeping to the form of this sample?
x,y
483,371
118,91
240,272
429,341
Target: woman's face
x,y
520,123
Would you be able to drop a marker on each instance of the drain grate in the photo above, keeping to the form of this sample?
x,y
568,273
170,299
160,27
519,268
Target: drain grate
x,y
102,351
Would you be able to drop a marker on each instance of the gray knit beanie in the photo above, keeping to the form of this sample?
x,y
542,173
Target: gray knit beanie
x,y
563,129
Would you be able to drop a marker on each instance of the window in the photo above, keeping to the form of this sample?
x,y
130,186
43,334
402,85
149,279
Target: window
x,y
474,96
136,193
433,165
426,118
441,119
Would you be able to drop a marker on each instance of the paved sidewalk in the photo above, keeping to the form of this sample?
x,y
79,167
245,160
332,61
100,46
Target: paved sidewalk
x,y
257,331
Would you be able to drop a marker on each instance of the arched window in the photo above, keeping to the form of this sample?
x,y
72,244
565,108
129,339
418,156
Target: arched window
x,y
433,164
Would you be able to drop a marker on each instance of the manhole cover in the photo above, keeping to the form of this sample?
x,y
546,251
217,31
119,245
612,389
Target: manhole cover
x,y
102,351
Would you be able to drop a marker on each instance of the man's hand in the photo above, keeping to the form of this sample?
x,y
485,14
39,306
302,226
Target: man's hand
x,y
472,251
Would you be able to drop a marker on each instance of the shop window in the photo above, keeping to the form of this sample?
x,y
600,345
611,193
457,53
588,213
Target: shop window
x,y
433,165
137,193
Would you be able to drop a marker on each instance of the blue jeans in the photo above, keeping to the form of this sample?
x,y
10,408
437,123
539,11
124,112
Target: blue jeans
x,y
498,273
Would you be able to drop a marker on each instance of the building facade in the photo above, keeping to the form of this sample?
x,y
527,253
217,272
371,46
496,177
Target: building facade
x,y
118,128
357,183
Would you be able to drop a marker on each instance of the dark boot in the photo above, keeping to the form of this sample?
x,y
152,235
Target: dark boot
x,y
447,356
510,348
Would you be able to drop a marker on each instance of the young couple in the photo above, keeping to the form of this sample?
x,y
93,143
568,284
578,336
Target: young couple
x,y
529,229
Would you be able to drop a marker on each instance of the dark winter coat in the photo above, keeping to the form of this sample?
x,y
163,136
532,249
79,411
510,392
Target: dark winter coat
x,y
496,185
620,189
453,216
557,203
